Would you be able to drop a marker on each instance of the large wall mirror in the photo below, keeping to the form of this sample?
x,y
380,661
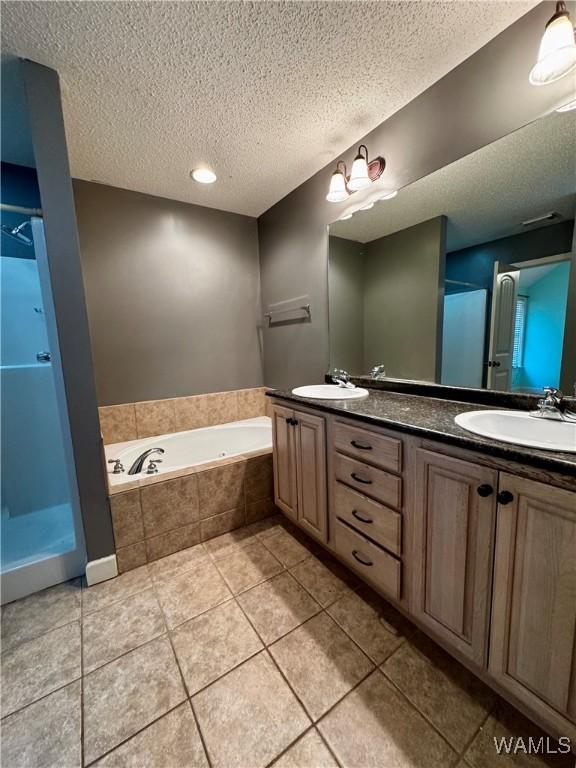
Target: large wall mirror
x,y
465,278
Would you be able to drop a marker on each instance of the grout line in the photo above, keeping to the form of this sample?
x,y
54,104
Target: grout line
x,y
188,698
422,715
474,736
40,698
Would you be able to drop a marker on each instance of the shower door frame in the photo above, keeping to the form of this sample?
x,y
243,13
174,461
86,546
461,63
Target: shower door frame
x,y
32,577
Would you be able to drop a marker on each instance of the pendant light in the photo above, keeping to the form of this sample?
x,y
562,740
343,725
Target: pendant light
x,y
359,178
557,54
338,192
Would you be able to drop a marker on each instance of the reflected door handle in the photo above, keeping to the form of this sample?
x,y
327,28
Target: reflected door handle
x,y
43,357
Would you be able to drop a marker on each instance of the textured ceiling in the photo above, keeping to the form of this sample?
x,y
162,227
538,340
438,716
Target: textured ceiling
x,y
266,93
487,194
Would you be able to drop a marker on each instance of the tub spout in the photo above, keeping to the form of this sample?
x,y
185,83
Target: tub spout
x,y
139,463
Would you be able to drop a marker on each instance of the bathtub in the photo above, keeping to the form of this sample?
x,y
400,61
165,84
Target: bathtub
x,y
184,452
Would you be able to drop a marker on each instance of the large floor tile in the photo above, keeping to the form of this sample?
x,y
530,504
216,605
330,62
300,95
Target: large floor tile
x,y
363,622
308,752
214,643
46,734
107,592
225,545
453,699
40,666
247,567
123,626
286,548
374,726
171,742
39,613
191,594
507,723
180,562
249,716
278,606
322,583
128,694
321,663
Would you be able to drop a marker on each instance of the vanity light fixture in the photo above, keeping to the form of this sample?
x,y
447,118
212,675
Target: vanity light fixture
x,y
364,173
338,192
567,107
345,217
389,195
557,53
366,207
203,175
359,178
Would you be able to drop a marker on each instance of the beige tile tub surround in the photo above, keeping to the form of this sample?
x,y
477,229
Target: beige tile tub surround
x,y
154,521
130,421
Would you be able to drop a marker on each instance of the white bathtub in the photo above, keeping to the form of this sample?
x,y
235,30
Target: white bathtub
x,y
184,450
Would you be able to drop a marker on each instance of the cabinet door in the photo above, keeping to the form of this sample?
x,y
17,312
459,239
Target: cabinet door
x,y
533,637
311,462
284,442
454,517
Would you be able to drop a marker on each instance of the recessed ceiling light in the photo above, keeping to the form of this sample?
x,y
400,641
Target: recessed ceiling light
x,y
389,195
203,175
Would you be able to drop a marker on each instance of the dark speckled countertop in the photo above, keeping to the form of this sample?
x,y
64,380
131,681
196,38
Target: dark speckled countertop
x,y
434,418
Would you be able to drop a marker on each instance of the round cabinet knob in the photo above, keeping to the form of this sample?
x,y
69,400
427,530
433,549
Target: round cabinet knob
x,y
484,490
505,497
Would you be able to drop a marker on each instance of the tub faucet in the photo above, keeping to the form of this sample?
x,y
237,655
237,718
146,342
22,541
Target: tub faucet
x,y
551,406
139,463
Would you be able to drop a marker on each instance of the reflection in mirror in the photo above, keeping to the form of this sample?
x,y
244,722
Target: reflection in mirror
x,y
466,278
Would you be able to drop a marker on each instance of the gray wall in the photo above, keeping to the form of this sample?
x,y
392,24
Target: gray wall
x,y
173,295
49,140
346,305
488,96
404,300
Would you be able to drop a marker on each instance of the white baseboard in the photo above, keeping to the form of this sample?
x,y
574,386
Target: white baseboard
x,y
101,570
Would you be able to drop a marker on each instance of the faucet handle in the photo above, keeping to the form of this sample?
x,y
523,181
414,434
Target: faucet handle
x,y
152,469
118,468
553,394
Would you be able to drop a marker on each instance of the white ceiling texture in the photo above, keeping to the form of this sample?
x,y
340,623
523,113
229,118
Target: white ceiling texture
x,y
266,93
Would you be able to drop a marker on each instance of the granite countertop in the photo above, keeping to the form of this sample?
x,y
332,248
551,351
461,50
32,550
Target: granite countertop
x,y
434,418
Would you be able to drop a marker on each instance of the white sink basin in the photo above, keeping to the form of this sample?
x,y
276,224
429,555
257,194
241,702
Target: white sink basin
x,y
330,392
521,428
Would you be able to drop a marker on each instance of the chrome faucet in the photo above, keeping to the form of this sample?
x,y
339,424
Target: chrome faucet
x,y
139,463
378,372
342,378
551,406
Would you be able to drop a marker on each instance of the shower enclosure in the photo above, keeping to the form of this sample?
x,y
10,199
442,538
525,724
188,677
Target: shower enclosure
x,y
41,533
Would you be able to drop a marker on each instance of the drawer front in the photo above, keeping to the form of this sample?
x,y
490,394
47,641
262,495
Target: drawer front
x,y
382,451
373,482
370,518
368,560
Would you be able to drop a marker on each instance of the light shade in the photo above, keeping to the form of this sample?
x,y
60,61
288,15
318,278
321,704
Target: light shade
x,y
203,175
557,54
359,178
567,107
366,207
337,192
389,195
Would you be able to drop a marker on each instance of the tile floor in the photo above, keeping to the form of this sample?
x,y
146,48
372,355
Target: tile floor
x,y
253,649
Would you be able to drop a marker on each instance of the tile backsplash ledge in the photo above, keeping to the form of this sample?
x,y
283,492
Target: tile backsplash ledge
x,y
148,418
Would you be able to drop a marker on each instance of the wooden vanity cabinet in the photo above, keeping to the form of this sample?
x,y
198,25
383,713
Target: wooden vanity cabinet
x,y
533,636
299,445
454,517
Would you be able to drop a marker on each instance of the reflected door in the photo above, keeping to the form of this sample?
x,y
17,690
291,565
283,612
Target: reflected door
x,y
504,296
42,538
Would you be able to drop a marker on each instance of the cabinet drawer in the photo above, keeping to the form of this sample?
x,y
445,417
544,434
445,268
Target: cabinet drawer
x,y
370,518
368,559
369,480
385,452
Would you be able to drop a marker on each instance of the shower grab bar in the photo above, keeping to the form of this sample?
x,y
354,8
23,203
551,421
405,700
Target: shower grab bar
x,y
20,209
